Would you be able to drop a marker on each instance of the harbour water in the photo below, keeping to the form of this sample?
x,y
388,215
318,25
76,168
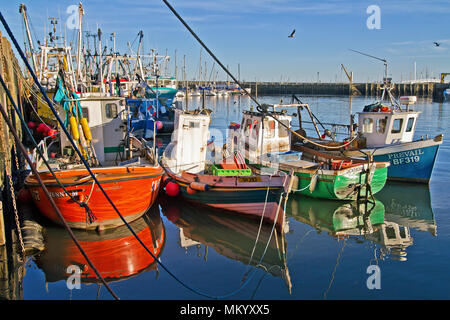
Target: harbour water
x,y
326,253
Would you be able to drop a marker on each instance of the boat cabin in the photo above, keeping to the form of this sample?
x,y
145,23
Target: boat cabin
x,y
188,146
381,128
259,134
107,122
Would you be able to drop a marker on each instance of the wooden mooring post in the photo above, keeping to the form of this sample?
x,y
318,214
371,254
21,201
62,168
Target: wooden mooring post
x,y
11,264
9,163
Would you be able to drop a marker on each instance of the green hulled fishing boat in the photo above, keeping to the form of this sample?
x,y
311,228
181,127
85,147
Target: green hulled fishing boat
x,y
266,144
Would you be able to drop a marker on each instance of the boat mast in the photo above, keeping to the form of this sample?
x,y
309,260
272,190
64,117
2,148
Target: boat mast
x,y
100,66
80,40
23,10
138,57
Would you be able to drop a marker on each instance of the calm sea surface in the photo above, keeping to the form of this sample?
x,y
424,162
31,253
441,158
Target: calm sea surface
x,y
325,253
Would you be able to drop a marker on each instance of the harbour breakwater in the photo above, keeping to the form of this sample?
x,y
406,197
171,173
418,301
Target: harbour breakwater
x,y
426,90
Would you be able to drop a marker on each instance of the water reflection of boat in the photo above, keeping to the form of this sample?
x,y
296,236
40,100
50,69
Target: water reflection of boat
x,y
116,253
409,206
336,218
372,221
230,236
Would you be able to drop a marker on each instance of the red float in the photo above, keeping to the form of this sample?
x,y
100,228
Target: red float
x,y
172,189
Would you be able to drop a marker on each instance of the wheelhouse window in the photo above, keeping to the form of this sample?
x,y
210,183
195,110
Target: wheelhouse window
x,y
397,126
269,128
283,128
248,127
194,124
368,125
85,113
111,110
381,125
410,124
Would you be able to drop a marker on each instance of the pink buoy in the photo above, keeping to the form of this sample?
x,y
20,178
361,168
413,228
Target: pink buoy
x,y
172,189
41,128
159,125
32,125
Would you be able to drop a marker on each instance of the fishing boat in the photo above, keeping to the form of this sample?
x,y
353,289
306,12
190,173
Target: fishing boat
x,y
228,186
127,169
148,115
266,143
116,253
234,237
387,131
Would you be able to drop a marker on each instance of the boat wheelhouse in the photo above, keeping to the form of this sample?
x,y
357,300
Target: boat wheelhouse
x,y
229,185
387,132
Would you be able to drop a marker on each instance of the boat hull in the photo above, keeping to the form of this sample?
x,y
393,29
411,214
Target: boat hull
x,y
230,195
411,162
341,186
133,190
163,93
345,184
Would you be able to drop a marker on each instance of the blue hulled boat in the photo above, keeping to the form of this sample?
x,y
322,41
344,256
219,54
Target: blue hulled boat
x,y
387,132
145,115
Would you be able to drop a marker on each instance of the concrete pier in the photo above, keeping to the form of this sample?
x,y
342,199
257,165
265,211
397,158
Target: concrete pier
x,y
428,89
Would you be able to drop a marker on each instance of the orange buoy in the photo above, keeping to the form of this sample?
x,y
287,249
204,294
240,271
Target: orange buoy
x,y
199,186
189,190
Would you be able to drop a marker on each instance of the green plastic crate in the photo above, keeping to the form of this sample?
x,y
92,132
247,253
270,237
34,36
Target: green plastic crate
x,y
230,172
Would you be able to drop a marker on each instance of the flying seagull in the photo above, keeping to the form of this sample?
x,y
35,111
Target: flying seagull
x,y
436,44
292,34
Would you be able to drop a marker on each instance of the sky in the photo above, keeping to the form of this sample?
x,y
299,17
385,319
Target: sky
x,y
251,36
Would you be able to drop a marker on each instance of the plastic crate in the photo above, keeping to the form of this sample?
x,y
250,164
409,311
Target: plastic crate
x,y
230,172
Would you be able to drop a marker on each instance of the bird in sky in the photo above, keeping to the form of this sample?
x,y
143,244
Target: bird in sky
x,y
292,34
436,44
